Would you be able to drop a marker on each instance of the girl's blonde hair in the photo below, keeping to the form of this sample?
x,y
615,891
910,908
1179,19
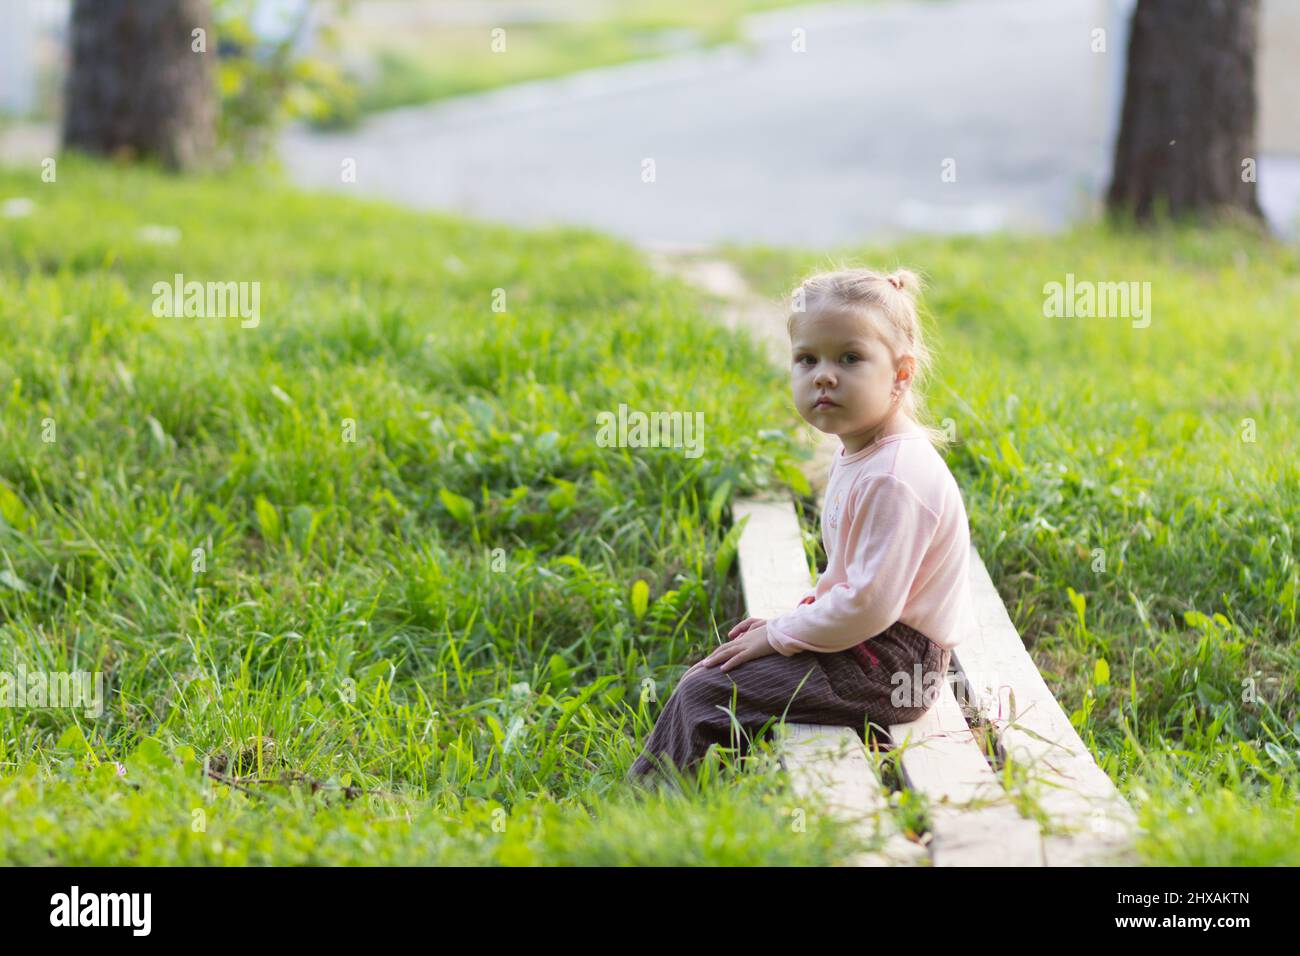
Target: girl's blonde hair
x,y
887,303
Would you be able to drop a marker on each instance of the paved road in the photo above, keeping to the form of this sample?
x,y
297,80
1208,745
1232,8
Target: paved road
x,y
843,141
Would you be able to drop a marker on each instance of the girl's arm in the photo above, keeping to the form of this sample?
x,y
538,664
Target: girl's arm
x,y
889,534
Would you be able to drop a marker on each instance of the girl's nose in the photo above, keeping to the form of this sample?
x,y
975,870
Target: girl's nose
x,y
824,376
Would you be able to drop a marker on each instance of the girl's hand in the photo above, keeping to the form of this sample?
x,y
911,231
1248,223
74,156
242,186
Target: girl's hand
x,y
747,647
751,622
744,626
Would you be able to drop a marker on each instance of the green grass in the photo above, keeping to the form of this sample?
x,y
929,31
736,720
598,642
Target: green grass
x,y
371,678
424,64
368,689
1117,501
386,65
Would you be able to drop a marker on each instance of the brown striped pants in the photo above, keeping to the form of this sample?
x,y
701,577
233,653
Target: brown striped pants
x,y
857,688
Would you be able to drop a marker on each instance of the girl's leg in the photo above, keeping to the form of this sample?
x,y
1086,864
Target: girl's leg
x,y
832,689
699,713
901,675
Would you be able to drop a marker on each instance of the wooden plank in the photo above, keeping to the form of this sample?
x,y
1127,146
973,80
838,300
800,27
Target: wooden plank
x,y
828,766
972,821
1034,732
774,573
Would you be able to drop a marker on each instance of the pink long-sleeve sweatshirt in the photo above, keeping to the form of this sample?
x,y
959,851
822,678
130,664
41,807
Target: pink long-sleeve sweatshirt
x,y
897,545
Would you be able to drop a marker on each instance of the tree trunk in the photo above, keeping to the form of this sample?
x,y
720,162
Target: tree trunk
x,y
1188,125
136,86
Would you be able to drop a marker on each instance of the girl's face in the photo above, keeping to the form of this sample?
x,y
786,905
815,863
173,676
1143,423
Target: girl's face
x,y
842,376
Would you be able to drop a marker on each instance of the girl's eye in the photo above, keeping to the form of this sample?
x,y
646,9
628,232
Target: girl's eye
x,y
849,357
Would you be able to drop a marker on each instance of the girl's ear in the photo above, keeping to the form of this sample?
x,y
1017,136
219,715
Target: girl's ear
x,y
906,364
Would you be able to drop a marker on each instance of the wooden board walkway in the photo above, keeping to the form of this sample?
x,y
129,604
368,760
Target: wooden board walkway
x,y
827,765
974,819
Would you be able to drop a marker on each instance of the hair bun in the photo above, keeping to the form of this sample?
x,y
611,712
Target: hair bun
x,y
904,280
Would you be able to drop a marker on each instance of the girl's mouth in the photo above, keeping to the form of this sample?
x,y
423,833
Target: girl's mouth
x,y
824,403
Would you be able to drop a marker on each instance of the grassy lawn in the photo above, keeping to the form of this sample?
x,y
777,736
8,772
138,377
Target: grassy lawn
x,y
428,644
442,641
421,64
383,63
1135,492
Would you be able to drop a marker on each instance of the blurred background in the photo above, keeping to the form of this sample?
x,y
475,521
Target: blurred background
x,y
544,111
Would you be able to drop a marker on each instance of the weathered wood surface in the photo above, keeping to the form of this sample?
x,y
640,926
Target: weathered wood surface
x,y
1096,824
828,766
972,819
829,770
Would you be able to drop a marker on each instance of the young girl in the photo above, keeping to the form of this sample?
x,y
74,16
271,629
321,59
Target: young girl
x,y
871,643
